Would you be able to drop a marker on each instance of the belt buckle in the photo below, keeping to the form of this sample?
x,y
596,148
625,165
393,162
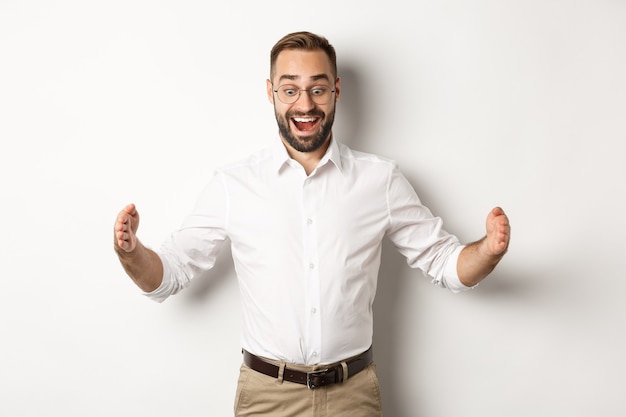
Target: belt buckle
x,y
309,375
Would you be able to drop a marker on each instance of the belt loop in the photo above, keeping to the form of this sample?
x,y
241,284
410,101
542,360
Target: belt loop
x,y
344,366
281,372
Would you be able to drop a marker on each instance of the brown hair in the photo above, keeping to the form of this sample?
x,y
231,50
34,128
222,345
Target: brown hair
x,y
307,41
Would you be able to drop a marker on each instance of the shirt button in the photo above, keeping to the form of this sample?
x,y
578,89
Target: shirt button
x,y
309,221
314,354
313,310
311,266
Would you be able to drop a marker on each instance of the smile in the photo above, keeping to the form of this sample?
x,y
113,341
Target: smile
x,y
305,124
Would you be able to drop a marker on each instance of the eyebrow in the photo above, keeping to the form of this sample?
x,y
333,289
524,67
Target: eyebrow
x,y
296,77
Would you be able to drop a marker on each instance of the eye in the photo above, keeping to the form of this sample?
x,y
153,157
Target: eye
x,y
318,91
289,91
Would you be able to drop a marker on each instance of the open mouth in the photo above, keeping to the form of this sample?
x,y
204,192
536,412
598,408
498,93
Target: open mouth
x,y
305,124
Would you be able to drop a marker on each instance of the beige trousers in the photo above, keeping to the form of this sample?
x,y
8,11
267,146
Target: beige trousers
x,y
261,395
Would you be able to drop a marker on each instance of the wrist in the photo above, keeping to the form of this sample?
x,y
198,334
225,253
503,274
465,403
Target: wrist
x,y
486,252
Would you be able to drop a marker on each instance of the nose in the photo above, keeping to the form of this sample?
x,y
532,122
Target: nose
x,y
304,100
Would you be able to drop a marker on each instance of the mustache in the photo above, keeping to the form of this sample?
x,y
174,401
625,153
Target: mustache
x,y
314,113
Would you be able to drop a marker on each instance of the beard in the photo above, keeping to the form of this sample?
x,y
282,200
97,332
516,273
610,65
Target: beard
x,y
307,143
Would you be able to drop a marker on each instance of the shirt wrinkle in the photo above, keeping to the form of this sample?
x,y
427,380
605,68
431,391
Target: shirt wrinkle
x,y
387,198
314,244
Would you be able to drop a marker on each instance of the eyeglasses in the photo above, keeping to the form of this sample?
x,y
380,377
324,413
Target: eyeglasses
x,y
289,94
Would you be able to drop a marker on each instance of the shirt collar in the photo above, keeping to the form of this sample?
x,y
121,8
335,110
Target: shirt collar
x,y
333,154
281,156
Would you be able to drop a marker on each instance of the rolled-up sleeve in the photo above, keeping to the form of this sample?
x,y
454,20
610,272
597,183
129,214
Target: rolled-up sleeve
x,y
450,277
193,248
420,237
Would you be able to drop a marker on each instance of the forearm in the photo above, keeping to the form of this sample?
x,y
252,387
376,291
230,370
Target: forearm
x,y
143,266
475,262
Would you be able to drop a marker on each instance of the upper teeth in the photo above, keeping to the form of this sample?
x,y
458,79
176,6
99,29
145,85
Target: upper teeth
x,y
304,119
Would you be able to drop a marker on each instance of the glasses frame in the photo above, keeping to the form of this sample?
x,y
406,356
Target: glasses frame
x,y
300,90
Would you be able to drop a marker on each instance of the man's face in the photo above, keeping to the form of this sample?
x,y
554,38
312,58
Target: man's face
x,y
304,124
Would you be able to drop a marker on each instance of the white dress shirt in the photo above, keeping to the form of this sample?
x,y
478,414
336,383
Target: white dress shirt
x,y
307,249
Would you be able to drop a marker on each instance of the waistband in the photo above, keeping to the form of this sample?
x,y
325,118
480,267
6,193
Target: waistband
x,y
327,375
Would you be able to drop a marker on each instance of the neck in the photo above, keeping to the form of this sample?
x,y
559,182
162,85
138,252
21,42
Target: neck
x,y
308,160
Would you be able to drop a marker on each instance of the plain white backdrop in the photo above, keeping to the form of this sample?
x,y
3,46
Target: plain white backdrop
x,y
482,103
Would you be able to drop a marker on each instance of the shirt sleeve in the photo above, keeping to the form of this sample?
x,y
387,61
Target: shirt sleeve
x,y
419,236
193,248
450,278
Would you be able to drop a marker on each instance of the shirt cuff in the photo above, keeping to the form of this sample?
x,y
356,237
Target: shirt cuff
x,y
161,293
450,274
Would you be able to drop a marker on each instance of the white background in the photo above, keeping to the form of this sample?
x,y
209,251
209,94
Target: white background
x,y
482,103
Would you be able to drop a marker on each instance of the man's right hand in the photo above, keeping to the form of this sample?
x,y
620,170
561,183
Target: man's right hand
x,y
125,229
144,266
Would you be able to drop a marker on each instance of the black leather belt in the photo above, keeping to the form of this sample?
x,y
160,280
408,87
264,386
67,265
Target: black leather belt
x,y
327,376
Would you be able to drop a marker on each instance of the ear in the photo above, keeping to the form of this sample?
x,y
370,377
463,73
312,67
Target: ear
x,y
270,92
337,89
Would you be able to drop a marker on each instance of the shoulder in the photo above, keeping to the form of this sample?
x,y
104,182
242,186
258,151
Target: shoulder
x,y
255,160
355,158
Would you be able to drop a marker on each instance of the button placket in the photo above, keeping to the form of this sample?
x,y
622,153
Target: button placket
x,y
312,284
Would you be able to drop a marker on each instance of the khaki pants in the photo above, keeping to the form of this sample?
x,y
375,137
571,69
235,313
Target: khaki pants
x,y
261,395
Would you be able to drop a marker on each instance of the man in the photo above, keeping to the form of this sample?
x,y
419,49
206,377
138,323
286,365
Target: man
x,y
305,220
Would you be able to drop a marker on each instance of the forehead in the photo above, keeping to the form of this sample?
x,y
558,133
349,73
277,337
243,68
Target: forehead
x,y
302,65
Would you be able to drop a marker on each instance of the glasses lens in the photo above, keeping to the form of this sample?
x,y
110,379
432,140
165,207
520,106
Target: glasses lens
x,y
289,94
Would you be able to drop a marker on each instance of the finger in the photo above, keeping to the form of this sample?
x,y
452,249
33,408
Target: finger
x,y
497,211
124,241
130,209
124,245
121,238
122,226
125,228
122,221
499,217
504,238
